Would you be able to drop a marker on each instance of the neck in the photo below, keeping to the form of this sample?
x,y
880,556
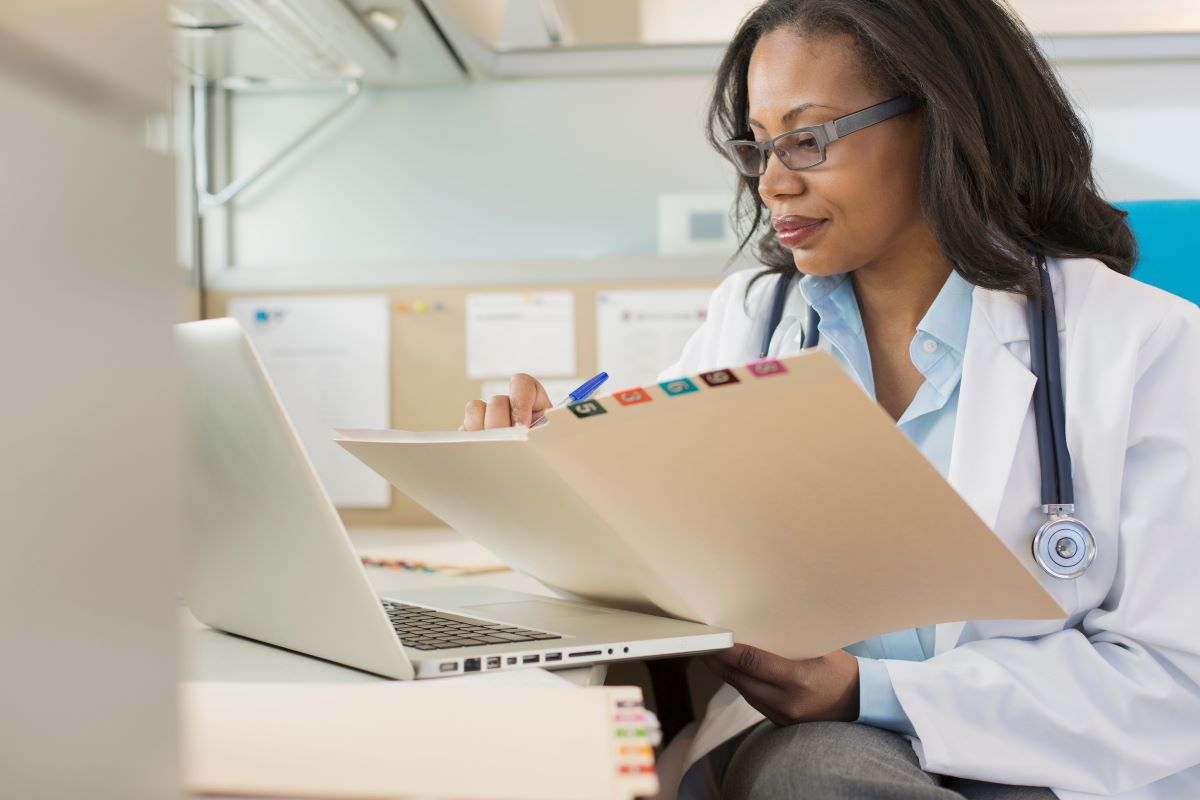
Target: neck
x,y
895,294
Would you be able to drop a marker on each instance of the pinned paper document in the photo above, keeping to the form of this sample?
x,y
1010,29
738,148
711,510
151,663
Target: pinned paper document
x,y
328,359
511,332
638,332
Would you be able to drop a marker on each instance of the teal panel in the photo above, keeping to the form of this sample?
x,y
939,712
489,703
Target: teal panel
x,y
1168,234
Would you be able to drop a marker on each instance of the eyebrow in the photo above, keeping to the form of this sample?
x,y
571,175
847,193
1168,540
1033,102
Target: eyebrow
x,y
791,115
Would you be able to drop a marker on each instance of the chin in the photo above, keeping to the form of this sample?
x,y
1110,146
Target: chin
x,y
810,263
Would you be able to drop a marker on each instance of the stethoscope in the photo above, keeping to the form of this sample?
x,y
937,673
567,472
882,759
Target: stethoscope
x,y
1063,546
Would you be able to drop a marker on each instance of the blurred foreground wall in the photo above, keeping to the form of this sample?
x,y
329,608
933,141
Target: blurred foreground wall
x,y
88,288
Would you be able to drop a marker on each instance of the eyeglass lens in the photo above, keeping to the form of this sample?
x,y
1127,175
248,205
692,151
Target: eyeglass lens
x,y
795,151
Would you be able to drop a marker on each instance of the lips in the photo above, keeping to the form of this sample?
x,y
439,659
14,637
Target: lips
x,y
793,230
793,222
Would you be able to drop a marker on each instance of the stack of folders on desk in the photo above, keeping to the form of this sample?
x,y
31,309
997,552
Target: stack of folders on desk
x,y
775,499
403,739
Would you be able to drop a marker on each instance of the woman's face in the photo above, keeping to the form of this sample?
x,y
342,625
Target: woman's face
x,y
861,204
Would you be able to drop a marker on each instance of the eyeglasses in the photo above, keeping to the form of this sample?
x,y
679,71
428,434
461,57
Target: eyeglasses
x,y
805,147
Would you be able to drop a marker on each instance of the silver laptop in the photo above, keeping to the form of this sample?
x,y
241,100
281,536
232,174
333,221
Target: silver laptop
x,y
266,555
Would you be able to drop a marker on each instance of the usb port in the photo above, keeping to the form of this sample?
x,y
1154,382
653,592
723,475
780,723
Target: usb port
x,y
529,659
554,656
493,662
448,666
470,665
510,660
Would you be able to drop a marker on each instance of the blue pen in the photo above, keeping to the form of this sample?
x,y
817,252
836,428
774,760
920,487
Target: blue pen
x,y
583,392
586,390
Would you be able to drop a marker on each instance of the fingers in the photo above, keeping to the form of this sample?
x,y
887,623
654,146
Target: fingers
x,y
495,413
791,691
473,416
526,400
759,664
771,700
498,413
527,397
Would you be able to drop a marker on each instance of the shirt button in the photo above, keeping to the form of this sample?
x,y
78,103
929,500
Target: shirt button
x,y
930,346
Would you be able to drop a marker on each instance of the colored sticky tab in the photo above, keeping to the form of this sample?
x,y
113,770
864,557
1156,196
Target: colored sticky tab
x,y
587,408
718,377
630,397
765,367
678,386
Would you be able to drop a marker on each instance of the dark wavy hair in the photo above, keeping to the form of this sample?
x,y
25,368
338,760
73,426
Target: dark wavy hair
x,y
1006,165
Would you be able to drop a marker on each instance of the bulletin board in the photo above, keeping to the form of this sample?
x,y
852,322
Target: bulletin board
x,y
429,382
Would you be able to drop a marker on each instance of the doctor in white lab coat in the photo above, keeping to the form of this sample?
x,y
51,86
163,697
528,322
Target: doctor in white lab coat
x,y
1105,701
904,147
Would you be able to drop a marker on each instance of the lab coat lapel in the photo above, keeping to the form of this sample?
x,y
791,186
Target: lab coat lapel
x,y
994,399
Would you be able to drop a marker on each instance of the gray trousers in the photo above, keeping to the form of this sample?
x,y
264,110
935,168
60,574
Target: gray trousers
x,y
834,760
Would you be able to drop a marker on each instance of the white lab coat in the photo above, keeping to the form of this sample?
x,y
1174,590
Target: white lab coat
x,y
1106,702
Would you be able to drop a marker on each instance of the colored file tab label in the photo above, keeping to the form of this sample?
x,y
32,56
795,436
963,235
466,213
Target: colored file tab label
x,y
678,386
631,397
718,377
761,369
587,408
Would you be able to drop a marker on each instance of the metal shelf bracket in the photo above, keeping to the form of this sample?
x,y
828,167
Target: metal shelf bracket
x,y
208,200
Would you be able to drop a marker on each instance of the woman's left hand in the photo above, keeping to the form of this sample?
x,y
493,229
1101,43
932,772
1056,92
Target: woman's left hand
x,y
787,691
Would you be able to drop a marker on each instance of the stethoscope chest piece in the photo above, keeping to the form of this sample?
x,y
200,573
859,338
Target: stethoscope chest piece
x,y
1064,546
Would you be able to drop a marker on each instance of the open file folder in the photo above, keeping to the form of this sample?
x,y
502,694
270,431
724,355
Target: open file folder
x,y
774,499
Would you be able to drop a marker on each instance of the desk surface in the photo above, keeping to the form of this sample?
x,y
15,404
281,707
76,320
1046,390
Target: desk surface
x,y
209,655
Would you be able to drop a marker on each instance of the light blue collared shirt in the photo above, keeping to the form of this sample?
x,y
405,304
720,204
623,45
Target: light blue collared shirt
x,y
937,353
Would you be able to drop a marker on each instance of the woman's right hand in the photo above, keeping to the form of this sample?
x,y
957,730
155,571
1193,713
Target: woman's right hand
x,y
524,404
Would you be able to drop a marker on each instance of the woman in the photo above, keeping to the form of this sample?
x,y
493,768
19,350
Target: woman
x,y
916,238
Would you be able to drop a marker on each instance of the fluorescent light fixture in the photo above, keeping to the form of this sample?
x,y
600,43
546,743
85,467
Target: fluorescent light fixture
x,y
324,38
387,19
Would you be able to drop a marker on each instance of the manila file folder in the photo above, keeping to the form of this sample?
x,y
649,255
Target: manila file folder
x,y
775,499
413,739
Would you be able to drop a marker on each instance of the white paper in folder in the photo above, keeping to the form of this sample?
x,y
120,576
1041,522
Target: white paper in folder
x,y
328,359
401,739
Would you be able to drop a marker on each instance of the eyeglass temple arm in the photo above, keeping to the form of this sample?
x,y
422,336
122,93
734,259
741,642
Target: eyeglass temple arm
x,y
844,126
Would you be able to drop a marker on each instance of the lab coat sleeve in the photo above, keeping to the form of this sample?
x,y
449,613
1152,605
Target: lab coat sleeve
x,y
1114,703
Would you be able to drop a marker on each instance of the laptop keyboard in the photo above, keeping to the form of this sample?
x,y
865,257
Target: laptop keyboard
x,y
430,629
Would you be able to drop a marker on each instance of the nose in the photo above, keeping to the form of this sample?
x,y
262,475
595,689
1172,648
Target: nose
x,y
779,181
